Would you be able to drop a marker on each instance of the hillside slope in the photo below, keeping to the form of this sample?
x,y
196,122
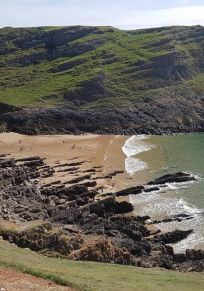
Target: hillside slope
x,y
155,75
89,276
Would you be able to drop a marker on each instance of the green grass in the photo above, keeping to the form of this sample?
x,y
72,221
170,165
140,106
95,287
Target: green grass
x,y
90,276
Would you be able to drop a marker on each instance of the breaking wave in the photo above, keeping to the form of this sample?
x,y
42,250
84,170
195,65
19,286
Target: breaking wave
x,y
132,147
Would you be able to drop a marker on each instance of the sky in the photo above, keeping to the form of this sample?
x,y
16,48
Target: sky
x,y
124,14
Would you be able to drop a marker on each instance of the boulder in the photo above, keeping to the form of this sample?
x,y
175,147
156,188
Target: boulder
x,y
123,207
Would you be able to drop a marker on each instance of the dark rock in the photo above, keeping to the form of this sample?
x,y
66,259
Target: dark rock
x,y
194,255
77,180
173,178
124,207
103,251
180,258
151,189
174,236
130,191
178,217
62,120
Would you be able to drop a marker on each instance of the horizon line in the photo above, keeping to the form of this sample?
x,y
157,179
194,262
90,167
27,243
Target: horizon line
x,y
91,25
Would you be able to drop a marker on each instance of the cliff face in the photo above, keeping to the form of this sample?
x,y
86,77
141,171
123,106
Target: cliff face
x,y
71,79
160,119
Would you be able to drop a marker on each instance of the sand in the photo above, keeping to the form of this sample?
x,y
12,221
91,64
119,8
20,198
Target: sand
x,y
103,152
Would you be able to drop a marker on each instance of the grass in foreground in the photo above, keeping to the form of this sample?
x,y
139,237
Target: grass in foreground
x,y
86,276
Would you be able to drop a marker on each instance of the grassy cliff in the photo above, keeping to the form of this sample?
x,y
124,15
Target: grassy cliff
x,y
94,67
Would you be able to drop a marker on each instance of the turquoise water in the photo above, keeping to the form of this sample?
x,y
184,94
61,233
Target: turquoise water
x,y
184,153
170,154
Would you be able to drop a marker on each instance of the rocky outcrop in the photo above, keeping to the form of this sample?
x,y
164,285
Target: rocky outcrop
x,y
7,108
131,191
140,120
173,178
158,184
45,239
174,236
67,65
88,91
103,251
178,217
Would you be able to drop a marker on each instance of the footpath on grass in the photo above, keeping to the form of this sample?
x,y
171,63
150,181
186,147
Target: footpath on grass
x,y
13,280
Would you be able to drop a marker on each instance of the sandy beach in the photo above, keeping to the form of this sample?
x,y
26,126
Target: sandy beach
x,y
101,152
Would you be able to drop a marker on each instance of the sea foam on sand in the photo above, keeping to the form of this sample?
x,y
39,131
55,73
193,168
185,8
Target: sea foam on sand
x,y
132,147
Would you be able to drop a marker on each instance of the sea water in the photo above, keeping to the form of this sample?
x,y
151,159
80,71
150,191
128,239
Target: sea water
x,y
156,156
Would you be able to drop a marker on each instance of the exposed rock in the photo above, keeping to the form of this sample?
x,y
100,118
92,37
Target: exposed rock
x,y
103,251
124,207
63,120
131,191
194,255
174,236
178,218
73,216
173,178
45,239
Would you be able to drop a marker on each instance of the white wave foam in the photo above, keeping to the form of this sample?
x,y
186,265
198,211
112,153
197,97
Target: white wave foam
x,y
162,205
135,145
133,165
190,209
173,187
132,147
178,185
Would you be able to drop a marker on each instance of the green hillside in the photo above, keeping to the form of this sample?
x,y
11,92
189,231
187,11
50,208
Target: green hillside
x,y
92,67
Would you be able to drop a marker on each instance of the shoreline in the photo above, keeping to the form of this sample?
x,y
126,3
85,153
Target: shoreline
x,y
80,183
57,149
91,151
